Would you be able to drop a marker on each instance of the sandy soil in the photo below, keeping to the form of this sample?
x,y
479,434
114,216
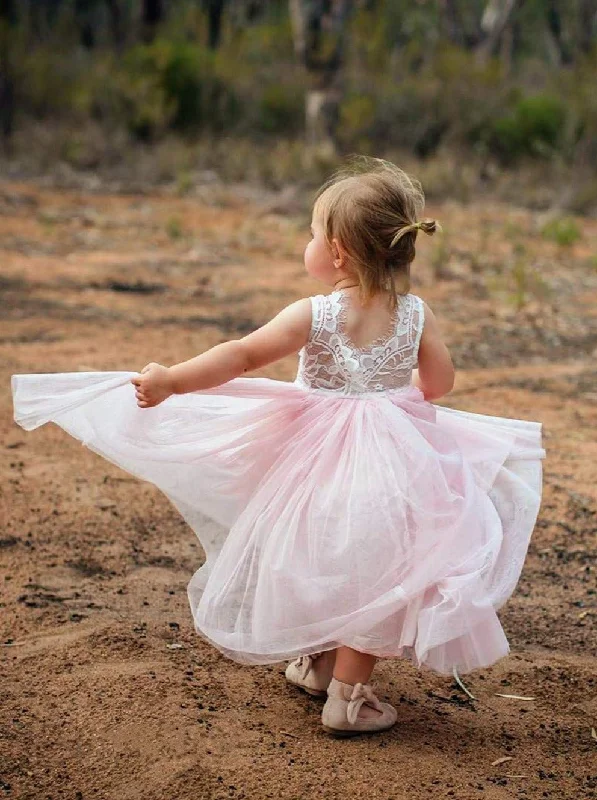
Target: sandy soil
x,y
95,701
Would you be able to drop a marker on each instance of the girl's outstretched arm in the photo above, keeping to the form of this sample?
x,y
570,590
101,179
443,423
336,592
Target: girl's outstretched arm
x,y
286,333
435,376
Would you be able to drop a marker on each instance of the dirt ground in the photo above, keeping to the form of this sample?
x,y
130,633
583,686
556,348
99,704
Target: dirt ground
x,y
106,690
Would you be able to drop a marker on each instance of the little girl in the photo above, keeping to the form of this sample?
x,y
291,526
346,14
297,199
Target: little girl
x,y
357,520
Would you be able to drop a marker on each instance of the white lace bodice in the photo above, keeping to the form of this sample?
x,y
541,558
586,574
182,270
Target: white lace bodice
x,y
331,362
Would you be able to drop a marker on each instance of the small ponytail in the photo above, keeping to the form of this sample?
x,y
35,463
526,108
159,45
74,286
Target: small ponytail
x,y
428,226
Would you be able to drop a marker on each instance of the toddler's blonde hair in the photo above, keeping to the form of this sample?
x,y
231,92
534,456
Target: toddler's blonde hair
x,y
372,206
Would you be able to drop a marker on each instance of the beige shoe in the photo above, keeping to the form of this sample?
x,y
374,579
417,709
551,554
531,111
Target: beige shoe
x,y
340,715
312,673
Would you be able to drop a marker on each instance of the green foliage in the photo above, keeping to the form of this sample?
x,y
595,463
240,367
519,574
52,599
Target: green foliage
x,y
141,103
280,110
440,258
406,85
448,100
533,127
45,81
562,230
577,86
186,77
174,228
358,114
520,282
167,84
266,45
184,182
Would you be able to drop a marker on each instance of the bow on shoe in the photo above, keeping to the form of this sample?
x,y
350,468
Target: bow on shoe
x,y
305,664
362,693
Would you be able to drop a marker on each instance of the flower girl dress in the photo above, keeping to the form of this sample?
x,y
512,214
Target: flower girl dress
x,y
341,508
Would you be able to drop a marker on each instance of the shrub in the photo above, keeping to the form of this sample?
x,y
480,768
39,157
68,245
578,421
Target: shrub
x,y
521,282
187,76
533,127
142,104
174,228
448,99
563,230
357,116
280,110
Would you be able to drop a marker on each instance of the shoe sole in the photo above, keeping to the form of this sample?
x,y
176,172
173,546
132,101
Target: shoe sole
x,y
342,734
313,692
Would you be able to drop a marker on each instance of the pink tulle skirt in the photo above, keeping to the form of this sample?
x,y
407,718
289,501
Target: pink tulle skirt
x,y
377,521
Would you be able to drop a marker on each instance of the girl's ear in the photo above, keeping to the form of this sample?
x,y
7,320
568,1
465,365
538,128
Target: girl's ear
x,y
338,253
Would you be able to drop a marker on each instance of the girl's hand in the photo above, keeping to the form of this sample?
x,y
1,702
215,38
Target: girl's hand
x,y
154,385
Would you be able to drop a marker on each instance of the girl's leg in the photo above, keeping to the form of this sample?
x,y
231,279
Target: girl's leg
x,y
324,662
354,667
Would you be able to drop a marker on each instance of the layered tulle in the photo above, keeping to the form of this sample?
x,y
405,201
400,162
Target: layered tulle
x,y
378,521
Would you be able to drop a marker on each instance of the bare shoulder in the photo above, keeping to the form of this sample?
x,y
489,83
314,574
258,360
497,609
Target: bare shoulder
x,y
286,333
292,324
297,315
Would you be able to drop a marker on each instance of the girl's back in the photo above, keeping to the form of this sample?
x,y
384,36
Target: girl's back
x,y
354,349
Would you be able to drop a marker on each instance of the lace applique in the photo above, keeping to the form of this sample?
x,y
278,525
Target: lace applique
x,y
331,362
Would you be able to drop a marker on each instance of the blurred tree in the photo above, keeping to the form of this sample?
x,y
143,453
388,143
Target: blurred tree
x,y
8,20
453,22
84,14
241,12
253,84
152,14
554,25
485,27
117,27
495,24
588,24
319,30
214,10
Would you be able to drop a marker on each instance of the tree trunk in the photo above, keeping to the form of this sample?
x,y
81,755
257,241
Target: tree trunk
x,y
215,10
244,12
151,15
506,47
452,22
8,18
588,25
494,22
116,23
554,24
7,101
319,30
